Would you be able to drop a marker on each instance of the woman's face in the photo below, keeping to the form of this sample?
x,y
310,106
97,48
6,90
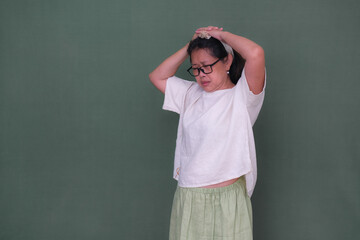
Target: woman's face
x,y
218,79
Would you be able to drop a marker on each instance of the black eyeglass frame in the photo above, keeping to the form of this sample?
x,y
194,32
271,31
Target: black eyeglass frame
x,y
190,69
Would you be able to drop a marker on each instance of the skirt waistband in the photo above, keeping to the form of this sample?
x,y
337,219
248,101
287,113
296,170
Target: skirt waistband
x,y
238,184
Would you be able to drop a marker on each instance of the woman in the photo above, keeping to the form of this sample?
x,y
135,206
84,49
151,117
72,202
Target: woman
x,y
215,159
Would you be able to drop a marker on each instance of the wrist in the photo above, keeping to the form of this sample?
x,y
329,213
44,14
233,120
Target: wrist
x,y
185,48
223,36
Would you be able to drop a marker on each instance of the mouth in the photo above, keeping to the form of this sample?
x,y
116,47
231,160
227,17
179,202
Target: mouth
x,y
205,83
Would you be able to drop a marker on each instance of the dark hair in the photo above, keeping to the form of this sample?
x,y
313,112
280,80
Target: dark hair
x,y
217,50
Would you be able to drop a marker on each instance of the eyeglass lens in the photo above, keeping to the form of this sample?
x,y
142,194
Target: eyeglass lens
x,y
204,69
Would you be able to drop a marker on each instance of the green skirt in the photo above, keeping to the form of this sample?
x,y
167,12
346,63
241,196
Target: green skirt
x,y
222,213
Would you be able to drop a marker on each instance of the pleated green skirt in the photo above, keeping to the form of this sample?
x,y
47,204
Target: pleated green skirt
x,y
223,213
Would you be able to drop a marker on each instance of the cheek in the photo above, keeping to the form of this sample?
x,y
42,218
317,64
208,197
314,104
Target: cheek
x,y
217,76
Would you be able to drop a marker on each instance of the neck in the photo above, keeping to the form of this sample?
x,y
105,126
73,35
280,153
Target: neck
x,y
228,83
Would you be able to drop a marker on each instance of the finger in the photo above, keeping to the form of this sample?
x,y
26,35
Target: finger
x,y
201,28
212,28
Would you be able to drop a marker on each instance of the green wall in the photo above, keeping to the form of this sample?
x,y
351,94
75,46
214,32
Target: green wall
x,y
87,153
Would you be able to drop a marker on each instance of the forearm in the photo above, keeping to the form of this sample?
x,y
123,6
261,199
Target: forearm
x,y
169,67
245,47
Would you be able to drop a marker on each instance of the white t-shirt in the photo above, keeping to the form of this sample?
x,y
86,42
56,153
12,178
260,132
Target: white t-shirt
x,y
215,140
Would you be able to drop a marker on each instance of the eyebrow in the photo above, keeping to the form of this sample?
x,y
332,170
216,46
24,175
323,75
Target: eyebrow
x,y
203,64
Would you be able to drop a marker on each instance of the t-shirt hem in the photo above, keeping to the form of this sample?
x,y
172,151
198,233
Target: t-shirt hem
x,y
248,87
167,108
209,183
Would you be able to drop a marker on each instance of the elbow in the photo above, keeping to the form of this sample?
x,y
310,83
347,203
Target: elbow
x,y
257,53
151,77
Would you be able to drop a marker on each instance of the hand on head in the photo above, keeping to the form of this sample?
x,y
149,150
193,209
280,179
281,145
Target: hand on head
x,y
211,31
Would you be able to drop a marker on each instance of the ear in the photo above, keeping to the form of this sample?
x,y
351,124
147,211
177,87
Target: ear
x,y
228,61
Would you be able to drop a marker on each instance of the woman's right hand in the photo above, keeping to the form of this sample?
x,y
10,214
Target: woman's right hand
x,y
195,36
214,32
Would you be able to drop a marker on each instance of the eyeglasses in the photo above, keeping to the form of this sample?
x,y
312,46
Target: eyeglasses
x,y
205,69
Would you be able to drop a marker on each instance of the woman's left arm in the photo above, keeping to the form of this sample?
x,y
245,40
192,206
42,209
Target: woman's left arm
x,y
252,53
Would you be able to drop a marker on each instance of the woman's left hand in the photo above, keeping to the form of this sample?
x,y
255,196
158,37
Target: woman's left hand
x,y
214,32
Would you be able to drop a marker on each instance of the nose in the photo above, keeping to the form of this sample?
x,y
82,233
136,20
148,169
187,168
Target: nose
x,y
201,72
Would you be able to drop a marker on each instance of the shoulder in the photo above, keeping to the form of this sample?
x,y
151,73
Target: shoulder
x,y
178,92
175,81
181,86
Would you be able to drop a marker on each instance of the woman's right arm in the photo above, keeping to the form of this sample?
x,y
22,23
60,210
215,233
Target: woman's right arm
x,y
168,68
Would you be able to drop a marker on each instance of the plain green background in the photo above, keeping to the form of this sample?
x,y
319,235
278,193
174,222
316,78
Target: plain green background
x,y
86,152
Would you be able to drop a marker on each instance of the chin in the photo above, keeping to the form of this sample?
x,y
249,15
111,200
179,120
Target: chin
x,y
207,89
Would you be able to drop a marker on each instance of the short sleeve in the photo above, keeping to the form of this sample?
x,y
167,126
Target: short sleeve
x,y
175,92
253,101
